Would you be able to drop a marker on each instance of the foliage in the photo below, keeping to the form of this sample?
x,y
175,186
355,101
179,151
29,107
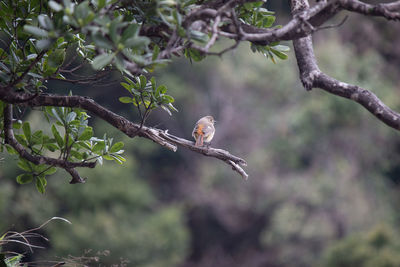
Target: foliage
x,y
52,40
147,94
71,137
314,163
378,247
312,169
316,176
116,212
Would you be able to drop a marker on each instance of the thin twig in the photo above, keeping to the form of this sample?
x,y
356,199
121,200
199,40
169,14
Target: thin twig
x,y
214,31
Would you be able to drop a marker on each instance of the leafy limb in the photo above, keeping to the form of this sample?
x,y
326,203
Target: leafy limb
x,y
132,129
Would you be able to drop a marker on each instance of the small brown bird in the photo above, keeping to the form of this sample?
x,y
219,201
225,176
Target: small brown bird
x,y
204,130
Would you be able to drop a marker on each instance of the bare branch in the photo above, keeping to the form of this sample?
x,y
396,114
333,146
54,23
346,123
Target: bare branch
x,y
394,6
312,77
210,152
387,11
334,25
94,79
214,31
304,22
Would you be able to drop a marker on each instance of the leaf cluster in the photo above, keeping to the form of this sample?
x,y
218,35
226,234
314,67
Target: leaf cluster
x,y
147,96
71,139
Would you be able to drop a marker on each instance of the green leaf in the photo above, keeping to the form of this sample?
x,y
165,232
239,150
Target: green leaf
x,y
113,30
23,164
56,112
11,150
70,117
76,154
194,54
143,81
156,51
120,62
172,107
131,31
137,42
177,17
27,130
281,48
51,147
102,60
55,6
45,22
85,144
140,60
166,109
82,10
119,159
268,21
102,41
279,54
108,157
36,31
125,100
199,36
117,147
265,11
50,171
56,58
98,148
37,137
127,87
162,89
43,44
41,184
101,3
57,136
24,178
21,138
86,135
166,99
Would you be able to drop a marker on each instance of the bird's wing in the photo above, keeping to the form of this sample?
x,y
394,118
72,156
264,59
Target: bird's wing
x,y
198,130
208,129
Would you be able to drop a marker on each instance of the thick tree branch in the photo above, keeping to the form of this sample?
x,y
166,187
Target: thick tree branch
x,y
131,129
304,22
312,77
296,28
389,11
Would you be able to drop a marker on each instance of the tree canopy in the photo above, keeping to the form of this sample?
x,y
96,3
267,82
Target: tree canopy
x,y
132,38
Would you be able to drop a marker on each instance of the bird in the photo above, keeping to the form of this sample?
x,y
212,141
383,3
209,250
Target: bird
x,y
204,130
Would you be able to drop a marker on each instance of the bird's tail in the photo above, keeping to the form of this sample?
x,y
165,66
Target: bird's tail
x,y
199,140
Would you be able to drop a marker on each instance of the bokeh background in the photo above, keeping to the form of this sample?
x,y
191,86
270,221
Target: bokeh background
x,y
324,173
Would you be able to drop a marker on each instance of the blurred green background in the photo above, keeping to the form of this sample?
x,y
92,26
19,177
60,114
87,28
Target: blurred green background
x,y
324,173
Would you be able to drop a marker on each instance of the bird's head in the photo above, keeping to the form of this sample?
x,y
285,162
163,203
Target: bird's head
x,y
210,119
